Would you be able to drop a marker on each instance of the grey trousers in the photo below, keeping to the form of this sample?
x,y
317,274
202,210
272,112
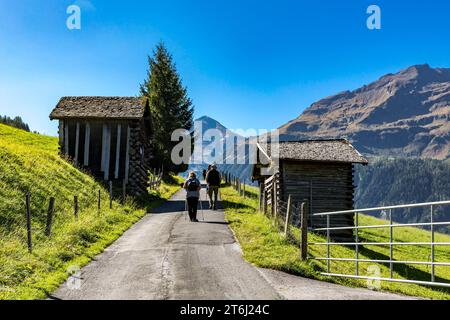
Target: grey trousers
x,y
213,193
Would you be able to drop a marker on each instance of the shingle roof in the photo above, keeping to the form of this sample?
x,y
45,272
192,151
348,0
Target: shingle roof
x,y
99,107
319,150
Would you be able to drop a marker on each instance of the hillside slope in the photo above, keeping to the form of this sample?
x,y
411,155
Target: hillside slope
x,y
402,114
30,163
387,182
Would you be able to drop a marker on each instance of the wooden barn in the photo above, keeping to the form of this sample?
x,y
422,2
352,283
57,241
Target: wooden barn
x,y
109,136
320,171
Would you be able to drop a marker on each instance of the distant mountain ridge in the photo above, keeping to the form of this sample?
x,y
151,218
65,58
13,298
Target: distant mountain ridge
x,y
210,123
399,115
242,171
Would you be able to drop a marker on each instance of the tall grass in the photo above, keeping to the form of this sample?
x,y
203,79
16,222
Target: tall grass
x,y
30,163
264,246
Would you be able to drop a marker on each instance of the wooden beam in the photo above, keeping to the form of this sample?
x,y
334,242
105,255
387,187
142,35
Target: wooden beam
x,y
102,166
77,143
107,151
87,141
66,137
116,168
61,133
127,155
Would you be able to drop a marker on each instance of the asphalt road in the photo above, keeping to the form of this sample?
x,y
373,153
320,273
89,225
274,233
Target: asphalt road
x,y
165,256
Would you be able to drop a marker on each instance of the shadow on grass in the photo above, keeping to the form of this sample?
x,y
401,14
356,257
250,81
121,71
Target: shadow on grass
x,y
235,205
405,271
248,194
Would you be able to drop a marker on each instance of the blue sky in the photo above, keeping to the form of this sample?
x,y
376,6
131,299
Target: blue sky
x,y
249,64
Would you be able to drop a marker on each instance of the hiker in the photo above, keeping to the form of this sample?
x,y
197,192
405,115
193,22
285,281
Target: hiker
x,y
192,186
213,180
204,177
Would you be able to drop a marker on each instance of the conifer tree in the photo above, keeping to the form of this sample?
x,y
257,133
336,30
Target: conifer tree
x,y
171,108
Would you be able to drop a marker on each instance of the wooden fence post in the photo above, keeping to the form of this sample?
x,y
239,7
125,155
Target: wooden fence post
x,y
29,240
265,201
260,198
288,218
48,228
124,190
275,201
110,195
304,231
272,200
75,209
99,201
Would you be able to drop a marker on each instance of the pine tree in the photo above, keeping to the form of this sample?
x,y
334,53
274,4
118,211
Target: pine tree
x,y
17,122
171,108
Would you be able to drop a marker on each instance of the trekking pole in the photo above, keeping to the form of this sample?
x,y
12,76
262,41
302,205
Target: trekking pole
x,y
201,207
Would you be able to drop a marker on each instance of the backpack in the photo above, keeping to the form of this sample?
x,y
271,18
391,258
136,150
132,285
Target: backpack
x,y
192,185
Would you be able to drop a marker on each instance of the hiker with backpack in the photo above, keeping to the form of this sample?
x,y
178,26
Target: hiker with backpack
x,y
205,172
213,180
192,186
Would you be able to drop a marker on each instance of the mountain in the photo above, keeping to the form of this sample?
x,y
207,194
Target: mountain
x,y
386,182
402,114
242,171
210,123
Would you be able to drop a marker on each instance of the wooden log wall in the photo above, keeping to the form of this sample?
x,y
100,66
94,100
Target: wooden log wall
x,y
138,177
140,156
327,186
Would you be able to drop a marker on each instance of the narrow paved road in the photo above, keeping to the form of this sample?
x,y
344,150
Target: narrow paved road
x,y
165,256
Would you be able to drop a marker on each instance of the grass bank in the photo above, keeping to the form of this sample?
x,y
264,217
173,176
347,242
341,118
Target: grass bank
x,y
30,163
264,246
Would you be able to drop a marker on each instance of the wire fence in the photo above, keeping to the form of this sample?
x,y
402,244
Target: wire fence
x,y
292,220
42,215
358,243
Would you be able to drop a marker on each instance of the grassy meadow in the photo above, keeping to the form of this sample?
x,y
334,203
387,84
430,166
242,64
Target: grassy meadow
x,y
30,163
265,246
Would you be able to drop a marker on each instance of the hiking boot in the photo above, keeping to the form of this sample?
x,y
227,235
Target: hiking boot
x,y
194,220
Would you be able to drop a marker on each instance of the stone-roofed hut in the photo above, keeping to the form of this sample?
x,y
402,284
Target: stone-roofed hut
x,y
109,136
320,171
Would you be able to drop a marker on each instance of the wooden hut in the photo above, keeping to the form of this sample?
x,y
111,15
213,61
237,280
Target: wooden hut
x,y
109,136
320,171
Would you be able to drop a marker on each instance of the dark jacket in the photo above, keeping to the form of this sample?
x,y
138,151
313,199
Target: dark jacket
x,y
213,178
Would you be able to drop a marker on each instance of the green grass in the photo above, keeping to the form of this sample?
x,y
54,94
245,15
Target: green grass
x,y
30,163
264,246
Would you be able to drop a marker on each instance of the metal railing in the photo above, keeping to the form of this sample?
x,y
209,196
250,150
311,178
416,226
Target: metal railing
x,y
391,225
